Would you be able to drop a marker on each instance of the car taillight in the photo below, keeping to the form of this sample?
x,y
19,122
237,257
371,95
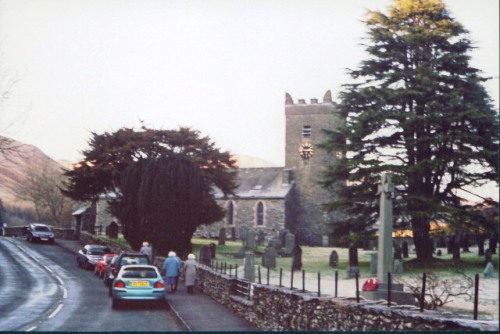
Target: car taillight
x,y
159,285
119,284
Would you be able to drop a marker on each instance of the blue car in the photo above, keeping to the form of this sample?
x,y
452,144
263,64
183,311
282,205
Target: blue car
x,y
138,282
39,232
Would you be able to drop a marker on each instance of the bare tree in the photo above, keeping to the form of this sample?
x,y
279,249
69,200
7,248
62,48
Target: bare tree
x,y
41,188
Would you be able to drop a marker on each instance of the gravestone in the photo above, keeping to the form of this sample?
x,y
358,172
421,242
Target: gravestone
x,y
269,258
112,230
373,263
297,258
213,249
222,236
205,255
233,234
250,244
488,271
404,249
281,236
439,253
243,235
249,267
397,252
261,236
353,268
289,243
325,241
334,259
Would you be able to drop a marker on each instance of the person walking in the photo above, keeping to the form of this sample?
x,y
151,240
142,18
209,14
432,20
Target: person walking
x,y
171,268
178,259
190,272
146,249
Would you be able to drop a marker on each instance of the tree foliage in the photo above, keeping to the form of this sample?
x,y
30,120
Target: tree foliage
x,y
162,180
417,109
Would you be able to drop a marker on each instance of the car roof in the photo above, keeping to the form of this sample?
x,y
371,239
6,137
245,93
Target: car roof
x,y
128,266
38,224
95,246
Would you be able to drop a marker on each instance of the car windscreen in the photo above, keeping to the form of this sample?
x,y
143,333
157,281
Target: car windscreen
x,y
139,273
95,251
134,260
42,229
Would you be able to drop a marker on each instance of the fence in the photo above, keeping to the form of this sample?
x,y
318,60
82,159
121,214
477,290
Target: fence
x,y
299,281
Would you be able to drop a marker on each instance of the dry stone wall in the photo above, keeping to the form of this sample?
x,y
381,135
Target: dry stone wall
x,y
281,309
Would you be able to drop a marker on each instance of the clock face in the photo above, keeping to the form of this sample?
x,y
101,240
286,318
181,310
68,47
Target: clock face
x,y
306,150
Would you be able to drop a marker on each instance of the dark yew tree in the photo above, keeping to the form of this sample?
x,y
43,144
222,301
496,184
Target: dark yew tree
x,y
162,181
418,110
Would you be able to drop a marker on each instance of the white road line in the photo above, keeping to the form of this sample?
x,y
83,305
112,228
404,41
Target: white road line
x,y
48,269
60,280
65,293
31,329
56,311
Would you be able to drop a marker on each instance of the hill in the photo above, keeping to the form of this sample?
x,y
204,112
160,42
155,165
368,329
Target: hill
x,y
14,166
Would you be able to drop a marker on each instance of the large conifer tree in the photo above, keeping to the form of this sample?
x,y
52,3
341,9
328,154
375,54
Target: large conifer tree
x,y
415,108
161,182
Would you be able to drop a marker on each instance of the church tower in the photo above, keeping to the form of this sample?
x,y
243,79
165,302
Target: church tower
x,y
306,163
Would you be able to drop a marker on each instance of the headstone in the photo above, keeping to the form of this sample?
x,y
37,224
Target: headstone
x,y
243,235
213,249
334,259
297,258
233,234
250,239
373,263
281,236
488,271
397,252
404,249
249,265
222,236
269,258
289,243
325,242
353,268
439,253
398,267
205,255
241,253
112,230
261,236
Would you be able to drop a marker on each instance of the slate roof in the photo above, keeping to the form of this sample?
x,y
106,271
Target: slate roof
x,y
260,183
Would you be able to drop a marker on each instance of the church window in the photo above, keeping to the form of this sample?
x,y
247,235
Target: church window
x,y
306,131
260,214
230,213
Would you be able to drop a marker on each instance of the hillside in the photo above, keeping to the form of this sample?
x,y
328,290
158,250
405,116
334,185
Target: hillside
x,y
13,170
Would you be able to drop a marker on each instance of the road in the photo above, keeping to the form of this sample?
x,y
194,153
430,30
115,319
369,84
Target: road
x,y
42,289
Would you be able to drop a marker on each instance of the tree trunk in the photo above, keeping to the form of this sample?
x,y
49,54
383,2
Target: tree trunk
x,y
422,240
456,248
480,244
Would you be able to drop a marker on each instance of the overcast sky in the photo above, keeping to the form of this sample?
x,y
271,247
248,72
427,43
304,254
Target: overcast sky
x,y
221,67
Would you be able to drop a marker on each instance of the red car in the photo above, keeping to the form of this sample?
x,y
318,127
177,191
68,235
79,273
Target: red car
x,y
100,266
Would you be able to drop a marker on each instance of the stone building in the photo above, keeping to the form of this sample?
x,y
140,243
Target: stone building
x,y
289,197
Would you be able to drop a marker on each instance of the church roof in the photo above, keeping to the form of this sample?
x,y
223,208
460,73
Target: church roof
x,y
265,182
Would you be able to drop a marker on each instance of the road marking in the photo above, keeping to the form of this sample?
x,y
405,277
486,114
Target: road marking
x,y
31,329
65,293
56,311
47,268
60,280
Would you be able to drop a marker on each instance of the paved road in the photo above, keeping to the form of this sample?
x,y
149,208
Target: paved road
x,y
42,289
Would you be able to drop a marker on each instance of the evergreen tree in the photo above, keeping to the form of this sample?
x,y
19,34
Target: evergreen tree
x,y
162,180
417,109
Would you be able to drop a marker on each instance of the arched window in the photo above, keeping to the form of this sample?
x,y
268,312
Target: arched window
x,y
230,213
260,214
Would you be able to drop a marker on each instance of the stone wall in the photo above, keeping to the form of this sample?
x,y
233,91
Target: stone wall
x,y
280,309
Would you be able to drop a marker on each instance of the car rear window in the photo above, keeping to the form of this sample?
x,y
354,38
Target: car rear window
x,y
139,273
134,260
96,251
42,229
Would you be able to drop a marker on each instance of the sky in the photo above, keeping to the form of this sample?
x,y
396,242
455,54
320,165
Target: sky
x,y
220,67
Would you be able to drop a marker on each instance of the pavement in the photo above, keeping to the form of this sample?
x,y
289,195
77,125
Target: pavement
x,y
197,312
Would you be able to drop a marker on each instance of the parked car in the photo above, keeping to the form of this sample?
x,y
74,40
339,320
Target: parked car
x,y
122,259
89,255
100,265
39,232
109,272
138,282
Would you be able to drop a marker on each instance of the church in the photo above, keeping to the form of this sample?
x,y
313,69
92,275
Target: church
x,y
290,197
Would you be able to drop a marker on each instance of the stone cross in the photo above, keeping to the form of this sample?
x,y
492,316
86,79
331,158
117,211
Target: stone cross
x,y
384,261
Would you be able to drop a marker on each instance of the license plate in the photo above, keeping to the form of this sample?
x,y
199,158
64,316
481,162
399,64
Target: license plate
x,y
45,239
139,283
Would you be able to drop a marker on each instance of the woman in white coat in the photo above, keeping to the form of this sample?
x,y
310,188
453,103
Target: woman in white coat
x,y
190,271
